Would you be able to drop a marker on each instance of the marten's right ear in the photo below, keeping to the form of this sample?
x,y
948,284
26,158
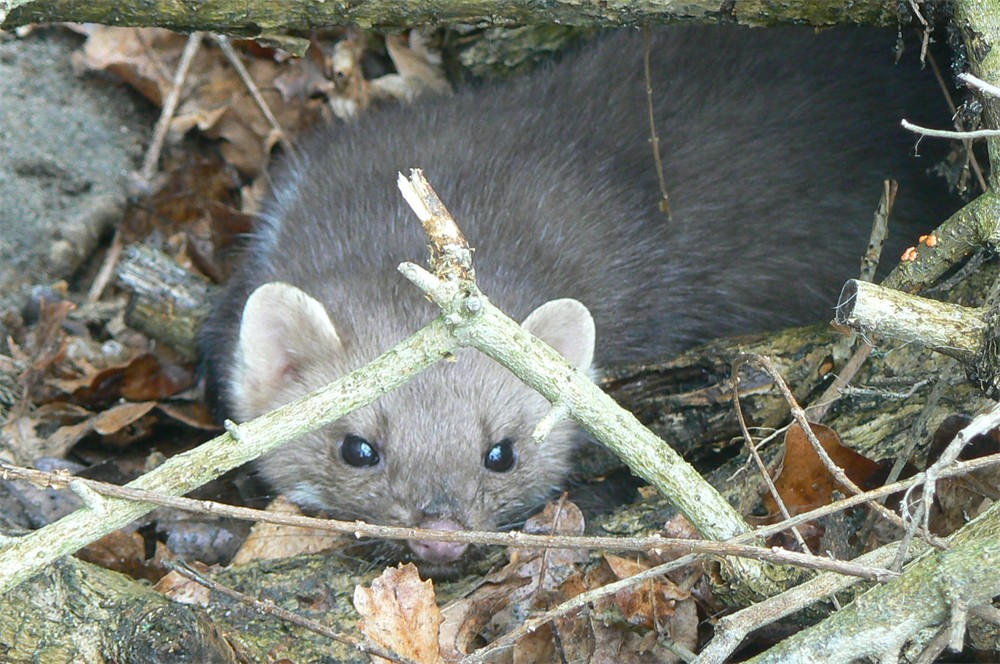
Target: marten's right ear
x,y
567,326
282,332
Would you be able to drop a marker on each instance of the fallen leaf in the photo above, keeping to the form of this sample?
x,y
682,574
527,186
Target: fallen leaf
x,y
649,604
534,579
613,645
561,517
399,612
179,588
418,70
803,482
214,98
191,193
23,442
43,350
123,552
463,619
268,541
143,378
142,57
536,646
117,418
194,414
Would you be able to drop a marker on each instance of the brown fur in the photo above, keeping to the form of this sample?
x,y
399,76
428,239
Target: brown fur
x,y
775,144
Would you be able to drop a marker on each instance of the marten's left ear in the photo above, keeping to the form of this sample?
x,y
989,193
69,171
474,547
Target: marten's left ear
x,y
567,326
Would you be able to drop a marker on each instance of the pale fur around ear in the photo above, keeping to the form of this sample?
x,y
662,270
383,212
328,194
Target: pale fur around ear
x,y
281,330
567,326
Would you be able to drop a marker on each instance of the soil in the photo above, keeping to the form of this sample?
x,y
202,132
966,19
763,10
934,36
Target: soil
x,y
67,145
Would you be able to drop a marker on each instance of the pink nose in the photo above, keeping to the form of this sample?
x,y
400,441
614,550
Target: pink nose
x,y
439,552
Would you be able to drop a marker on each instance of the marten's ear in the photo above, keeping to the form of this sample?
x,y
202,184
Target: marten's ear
x,y
283,333
567,326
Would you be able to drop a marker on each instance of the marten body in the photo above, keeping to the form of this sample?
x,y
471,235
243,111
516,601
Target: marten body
x,y
774,142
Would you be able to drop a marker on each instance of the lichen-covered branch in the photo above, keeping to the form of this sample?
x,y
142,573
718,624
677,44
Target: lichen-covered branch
x,y
975,226
79,612
731,630
256,18
951,329
979,22
168,302
940,586
479,324
24,556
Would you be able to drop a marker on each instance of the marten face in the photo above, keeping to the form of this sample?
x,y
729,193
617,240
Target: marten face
x,y
452,449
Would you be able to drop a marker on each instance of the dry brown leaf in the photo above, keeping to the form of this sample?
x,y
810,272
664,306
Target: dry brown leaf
x,y
180,588
399,612
143,378
804,483
65,438
123,552
576,637
309,79
23,442
194,414
418,70
43,351
349,92
622,625
142,57
146,378
192,190
214,98
123,415
959,500
500,603
296,90
560,517
536,647
268,541
463,619
648,605
613,645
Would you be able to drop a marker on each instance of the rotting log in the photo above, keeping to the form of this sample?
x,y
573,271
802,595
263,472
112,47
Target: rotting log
x,y
263,17
78,612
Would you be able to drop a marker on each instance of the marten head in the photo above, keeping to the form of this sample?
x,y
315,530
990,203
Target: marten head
x,y
452,449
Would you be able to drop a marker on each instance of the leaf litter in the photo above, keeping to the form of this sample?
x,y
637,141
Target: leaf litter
x,y
84,381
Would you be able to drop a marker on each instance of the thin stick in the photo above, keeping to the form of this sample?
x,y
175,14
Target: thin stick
x,y
574,604
800,416
869,264
359,529
946,91
840,382
979,84
981,425
248,82
732,629
107,270
942,133
152,157
654,139
189,470
764,473
880,229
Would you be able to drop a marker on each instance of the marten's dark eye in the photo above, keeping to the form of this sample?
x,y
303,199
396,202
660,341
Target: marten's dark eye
x,y
358,452
500,457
